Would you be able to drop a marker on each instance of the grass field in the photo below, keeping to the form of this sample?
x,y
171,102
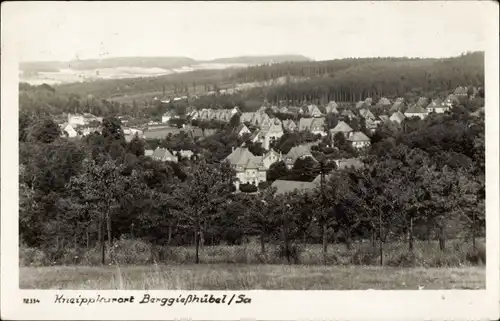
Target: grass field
x,y
249,277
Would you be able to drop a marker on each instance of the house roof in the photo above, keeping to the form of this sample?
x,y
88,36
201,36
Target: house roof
x,y
161,153
384,101
240,127
358,137
240,156
283,186
460,91
341,127
423,101
436,103
365,113
288,123
368,101
396,106
349,162
416,109
348,113
398,116
384,118
360,104
298,151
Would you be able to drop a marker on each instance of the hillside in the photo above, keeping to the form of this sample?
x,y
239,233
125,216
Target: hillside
x,y
339,80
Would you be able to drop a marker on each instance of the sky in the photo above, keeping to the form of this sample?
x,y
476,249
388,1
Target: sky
x,y
62,31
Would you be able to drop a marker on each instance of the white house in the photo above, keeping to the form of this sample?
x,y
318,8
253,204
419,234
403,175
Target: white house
x,y
76,120
438,107
359,140
416,111
242,129
70,130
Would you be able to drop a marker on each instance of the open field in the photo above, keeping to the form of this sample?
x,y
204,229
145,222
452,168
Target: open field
x,y
248,277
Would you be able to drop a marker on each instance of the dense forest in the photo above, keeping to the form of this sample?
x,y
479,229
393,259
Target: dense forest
x,y
340,80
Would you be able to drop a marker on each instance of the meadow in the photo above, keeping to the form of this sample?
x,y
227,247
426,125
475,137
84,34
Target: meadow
x,y
242,267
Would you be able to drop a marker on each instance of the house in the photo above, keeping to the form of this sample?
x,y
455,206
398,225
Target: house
x,y
384,102
167,116
358,140
314,125
451,100
235,110
366,114
437,106
345,163
297,152
76,120
372,124
242,129
275,109
368,101
332,108
400,100
397,117
295,110
416,111
258,119
284,110
249,168
384,118
283,187
162,154
423,102
348,113
342,127
397,106
268,133
69,130
148,152
461,91
270,158
361,104
312,111
85,131
289,125
246,117
185,154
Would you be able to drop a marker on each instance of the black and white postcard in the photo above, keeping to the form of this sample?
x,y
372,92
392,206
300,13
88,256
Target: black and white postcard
x,y
291,160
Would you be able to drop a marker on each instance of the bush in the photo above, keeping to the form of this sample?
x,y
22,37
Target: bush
x,y
365,255
294,252
477,256
406,259
264,185
248,188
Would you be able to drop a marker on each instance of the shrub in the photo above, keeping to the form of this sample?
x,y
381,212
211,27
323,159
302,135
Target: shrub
x,y
294,252
365,255
248,188
406,259
264,185
476,256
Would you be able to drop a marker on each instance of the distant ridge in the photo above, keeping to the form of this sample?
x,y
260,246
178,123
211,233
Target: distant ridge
x,y
151,62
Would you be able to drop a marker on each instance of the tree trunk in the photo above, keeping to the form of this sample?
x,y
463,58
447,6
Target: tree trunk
x,y
108,225
474,231
262,244
410,236
442,238
325,242
87,238
197,242
348,240
380,240
304,240
101,239
169,239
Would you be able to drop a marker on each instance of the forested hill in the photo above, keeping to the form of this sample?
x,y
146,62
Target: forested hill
x,y
356,79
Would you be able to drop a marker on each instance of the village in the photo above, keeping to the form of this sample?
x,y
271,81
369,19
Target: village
x,y
268,124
